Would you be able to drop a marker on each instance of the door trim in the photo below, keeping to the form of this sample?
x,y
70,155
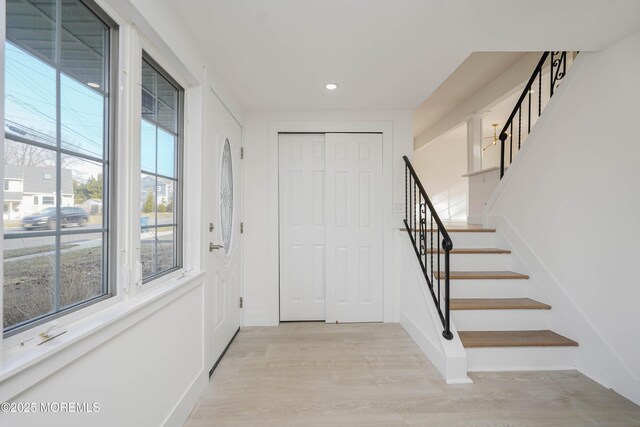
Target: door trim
x,y
385,128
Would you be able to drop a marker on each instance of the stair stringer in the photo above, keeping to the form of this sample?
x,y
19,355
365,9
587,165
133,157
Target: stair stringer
x,y
419,317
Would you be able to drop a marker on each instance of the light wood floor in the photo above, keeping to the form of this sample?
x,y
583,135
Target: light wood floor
x,y
374,374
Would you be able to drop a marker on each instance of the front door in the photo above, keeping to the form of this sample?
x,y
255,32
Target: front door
x,y
222,227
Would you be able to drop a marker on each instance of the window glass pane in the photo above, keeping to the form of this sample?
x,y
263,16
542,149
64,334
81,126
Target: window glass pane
x,y
148,106
81,268
148,190
159,99
149,76
29,279
82,187
48,191
166,201
166,248
226,196
84,43
30,96
32,26
158,183
167,117
148,252
82,118
166,153
147,146
26,167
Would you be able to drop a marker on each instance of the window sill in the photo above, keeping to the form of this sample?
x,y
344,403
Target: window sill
x,y
24,366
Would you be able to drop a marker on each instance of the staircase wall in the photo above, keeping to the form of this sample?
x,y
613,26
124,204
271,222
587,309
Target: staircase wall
x,y
569,205
419,317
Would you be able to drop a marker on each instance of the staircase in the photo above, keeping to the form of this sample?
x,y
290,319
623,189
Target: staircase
x,y
472,282
499,326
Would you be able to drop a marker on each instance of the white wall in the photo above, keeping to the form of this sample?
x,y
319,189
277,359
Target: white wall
x,y
440,165
260,197
146,366
571,199
420,318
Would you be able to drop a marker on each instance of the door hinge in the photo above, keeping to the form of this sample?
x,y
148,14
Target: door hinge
x,y
241,302
242,152
241,227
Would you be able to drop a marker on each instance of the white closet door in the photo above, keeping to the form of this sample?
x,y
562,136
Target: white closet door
x,y
354,228
302,227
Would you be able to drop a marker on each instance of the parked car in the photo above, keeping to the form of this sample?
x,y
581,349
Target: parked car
x,y
47,218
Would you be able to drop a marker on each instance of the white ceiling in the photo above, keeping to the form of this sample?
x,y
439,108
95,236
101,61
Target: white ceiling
x,y
385,54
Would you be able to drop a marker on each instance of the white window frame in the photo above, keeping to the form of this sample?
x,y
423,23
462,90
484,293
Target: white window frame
x,y
144,47
109,269
100,321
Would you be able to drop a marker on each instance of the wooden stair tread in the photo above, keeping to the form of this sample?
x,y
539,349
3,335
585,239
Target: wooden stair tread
x,y
474,339
482,275
497,304
470,251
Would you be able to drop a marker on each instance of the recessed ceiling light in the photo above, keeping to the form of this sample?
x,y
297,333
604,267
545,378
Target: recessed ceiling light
x,y
93,85
331,86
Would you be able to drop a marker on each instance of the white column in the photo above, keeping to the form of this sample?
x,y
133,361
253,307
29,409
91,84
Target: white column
x,y
474,143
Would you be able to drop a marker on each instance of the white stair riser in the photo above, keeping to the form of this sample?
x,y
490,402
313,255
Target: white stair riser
x,y
473,240
491,288
500,320
521,358
480,262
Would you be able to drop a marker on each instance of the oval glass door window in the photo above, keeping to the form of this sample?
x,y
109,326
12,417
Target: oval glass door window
x,y
226,196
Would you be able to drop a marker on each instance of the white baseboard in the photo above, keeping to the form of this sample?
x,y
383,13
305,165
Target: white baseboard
x,y
188,401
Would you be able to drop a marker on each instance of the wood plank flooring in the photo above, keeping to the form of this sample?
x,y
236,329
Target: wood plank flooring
x,y
313,374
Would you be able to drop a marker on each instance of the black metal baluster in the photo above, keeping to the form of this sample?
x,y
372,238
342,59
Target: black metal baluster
x,y
432,248
540,94
415,229
519,130
528,115
410,204
551,73
439,272
447,306
406,188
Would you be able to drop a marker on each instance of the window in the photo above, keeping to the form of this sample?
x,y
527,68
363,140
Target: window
x,y
226,196
58,136
6,185
160,157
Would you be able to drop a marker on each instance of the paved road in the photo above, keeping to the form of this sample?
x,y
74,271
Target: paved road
x,y
36,240
85,240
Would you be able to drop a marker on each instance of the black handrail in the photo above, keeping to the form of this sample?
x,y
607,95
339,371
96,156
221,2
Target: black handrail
x,y
557,70
416,225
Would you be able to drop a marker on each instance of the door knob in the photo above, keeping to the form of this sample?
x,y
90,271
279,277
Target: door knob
x,y
210,227
213,247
